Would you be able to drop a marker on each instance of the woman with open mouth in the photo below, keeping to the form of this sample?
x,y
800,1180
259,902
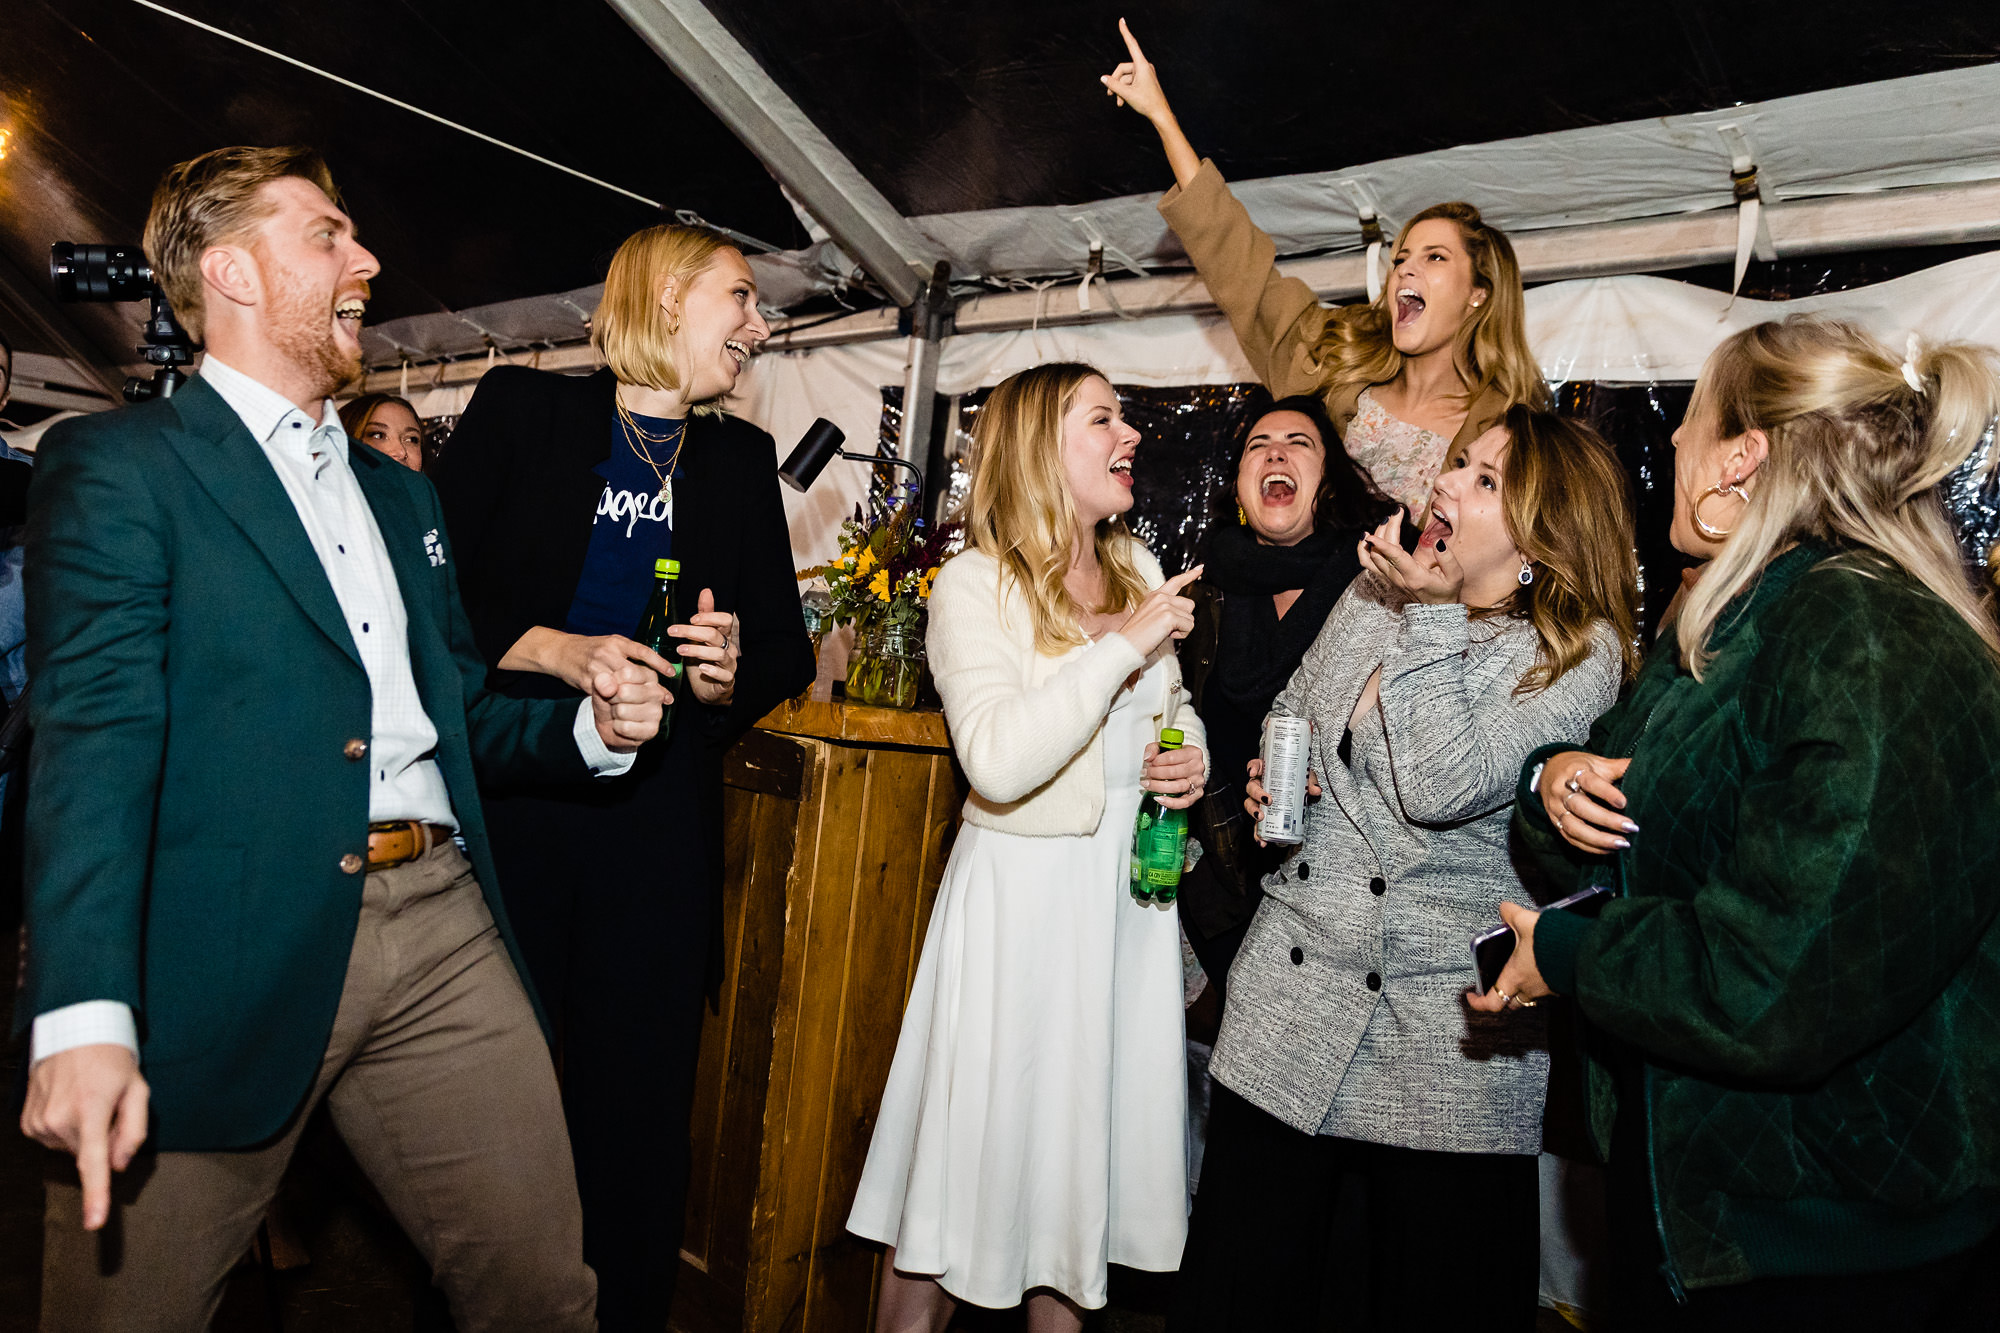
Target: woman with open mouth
x,y
1426,368
1348,1066
563,495
1275,561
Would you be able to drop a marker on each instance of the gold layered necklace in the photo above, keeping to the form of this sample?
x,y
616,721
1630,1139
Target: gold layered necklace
x,y
644,442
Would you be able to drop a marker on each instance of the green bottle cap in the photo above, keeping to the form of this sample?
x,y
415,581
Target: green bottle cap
x,y
1171,738
667,568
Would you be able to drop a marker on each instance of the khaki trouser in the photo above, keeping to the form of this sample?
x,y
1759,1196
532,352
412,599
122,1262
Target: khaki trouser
x,y
437,1077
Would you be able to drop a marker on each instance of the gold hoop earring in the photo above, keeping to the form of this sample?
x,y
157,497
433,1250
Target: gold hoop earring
x,y
673,326
1716,534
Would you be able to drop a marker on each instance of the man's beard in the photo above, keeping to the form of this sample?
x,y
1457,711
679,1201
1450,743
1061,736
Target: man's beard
x,y
300,325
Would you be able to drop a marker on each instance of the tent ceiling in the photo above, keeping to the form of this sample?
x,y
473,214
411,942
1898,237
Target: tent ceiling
x,y
953,107
984,124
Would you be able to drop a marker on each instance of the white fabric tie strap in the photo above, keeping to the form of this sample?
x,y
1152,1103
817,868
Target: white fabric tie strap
x,y
1369,214
1753,230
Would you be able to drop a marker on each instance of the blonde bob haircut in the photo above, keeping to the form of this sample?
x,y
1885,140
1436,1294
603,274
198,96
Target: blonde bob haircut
x,y
1022,514
1856,455
1358,348
1568,508
629,329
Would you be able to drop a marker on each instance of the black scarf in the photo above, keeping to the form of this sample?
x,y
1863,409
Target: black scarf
x,y
1258,651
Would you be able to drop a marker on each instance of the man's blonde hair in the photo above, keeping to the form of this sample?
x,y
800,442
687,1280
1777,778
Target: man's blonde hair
x,y
213,200
630,330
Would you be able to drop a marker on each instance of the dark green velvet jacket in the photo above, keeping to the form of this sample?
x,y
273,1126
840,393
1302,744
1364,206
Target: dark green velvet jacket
x,y
1803,954
193,795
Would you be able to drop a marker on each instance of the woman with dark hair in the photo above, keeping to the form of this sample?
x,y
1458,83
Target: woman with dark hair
x,y
388,425
1348,1065
1795,1044
563,494
1276,559
1428,367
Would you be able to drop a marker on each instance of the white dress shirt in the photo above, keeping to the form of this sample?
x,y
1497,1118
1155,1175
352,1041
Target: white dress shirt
x,y
311,461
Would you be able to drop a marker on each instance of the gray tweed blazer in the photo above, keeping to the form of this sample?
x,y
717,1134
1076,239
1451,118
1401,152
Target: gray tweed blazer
x,y
1345,1012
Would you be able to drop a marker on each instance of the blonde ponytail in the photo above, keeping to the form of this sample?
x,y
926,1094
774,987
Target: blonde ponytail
x,y
1859,440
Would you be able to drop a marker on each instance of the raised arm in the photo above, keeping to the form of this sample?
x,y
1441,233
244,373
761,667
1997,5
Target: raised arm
x,y
1278,320
1456,753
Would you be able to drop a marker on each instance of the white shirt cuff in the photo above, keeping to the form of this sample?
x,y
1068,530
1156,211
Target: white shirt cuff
x,y
90,1023
604,762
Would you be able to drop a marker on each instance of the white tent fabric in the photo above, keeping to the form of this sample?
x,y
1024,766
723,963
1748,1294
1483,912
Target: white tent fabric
x,y
1625,330
1929,129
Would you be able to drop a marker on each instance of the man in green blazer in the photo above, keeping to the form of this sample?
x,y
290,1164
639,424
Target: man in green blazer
x,y
260,716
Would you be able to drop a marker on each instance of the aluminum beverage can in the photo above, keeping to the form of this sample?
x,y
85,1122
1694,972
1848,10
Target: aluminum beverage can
x,y
1287,753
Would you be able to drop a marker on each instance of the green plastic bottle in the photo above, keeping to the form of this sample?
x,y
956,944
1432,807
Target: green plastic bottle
x,y
1159,842
663,609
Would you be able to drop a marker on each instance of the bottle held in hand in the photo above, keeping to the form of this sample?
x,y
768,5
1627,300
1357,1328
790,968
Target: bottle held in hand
x,y
1159,842
663,609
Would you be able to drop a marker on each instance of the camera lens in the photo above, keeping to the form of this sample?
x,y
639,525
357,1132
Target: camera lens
x,y
100,272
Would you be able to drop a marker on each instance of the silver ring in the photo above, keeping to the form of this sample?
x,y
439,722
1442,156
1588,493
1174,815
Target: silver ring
x,y
1574,785
1559,825
1505,998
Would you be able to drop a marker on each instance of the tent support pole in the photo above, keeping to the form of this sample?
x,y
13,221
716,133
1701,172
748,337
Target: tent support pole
x,y
930,320
718,70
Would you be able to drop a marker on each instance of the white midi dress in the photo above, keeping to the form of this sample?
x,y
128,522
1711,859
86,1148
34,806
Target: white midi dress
x,y
1034,1123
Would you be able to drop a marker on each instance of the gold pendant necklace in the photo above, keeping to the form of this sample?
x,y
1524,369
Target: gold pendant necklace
x,y
638,438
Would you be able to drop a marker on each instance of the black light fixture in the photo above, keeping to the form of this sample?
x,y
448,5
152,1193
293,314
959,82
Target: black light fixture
x,y
821,446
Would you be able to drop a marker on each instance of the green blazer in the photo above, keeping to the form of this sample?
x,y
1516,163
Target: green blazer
x,y
1801,970
192,800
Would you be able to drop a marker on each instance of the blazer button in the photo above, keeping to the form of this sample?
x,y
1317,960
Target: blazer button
x,y
355,748
1298,955
1305,871
351,864
1377,887
1374,981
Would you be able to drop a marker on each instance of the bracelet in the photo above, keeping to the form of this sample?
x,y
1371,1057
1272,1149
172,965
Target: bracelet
x,y
1535,775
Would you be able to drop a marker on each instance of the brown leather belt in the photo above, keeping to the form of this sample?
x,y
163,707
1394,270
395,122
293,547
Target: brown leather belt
x,y
404,840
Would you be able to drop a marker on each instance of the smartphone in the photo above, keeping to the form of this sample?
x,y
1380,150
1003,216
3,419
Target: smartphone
x,y
1492,948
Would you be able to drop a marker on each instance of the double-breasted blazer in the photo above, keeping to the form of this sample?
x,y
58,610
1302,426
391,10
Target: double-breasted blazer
x,y
1346,1010
198,810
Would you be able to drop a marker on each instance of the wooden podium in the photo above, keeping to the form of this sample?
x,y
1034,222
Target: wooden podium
x,y
838,820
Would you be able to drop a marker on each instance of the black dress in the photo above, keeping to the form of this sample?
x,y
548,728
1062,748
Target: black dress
x,y
614,888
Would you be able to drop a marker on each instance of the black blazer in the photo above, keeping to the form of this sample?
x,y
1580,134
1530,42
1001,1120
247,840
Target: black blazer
x,y
520,496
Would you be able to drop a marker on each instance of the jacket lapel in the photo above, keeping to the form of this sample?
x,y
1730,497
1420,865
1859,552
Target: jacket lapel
x,y
218,449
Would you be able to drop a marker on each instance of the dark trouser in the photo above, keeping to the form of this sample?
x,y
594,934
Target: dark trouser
x,y
619,959
1298,1231
1960,1294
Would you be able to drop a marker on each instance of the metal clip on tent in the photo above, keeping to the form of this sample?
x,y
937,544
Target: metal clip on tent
x,y
821,446
1370,215
1753,229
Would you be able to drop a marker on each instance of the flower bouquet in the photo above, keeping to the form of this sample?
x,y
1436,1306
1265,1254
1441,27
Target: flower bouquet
x,y
880,583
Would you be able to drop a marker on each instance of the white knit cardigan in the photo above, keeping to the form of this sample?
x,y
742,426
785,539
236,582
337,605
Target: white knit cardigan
x,y
1028,728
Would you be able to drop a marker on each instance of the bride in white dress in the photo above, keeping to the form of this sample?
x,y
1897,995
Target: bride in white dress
x,y
1033,1126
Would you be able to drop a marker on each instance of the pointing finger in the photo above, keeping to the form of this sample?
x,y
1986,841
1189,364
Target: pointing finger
x,y
1131,42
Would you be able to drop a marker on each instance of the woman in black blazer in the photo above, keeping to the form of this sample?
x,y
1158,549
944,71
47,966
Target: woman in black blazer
x,y
560,494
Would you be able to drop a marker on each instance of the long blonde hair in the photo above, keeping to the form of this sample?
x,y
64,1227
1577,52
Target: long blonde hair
x,y
629,329
1856,456
1021,512
1357,348
1568,507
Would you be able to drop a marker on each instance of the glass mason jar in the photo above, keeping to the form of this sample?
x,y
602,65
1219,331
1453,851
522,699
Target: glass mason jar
x,y
886,667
